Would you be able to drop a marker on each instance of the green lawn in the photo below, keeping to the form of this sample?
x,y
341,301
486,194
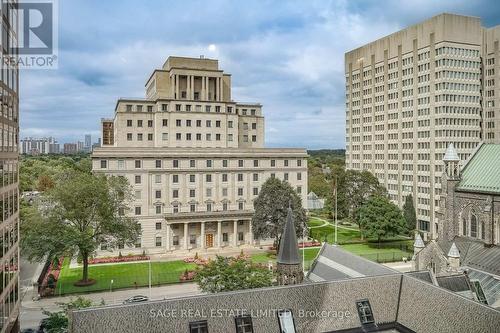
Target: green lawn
x,y
387,252
123,275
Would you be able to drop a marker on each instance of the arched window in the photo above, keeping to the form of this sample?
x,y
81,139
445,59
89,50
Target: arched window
x,y
483,231
473,226
464,227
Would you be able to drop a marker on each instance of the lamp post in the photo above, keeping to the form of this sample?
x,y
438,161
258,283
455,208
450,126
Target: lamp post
x,y
336,218
303,249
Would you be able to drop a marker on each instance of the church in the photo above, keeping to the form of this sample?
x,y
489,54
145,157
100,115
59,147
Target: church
x,y
469,225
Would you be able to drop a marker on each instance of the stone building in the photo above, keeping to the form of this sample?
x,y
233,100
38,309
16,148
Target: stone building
x,y
195,158
412,93
469,236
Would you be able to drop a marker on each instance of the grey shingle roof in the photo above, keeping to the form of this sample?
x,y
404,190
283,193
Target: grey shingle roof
x,y
334,263
421,275
289,248
455,283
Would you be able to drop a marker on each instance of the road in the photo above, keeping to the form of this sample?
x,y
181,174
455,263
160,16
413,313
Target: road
x,y
31,311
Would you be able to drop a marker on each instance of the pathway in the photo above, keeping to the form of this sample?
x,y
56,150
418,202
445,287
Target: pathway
x,y
325,223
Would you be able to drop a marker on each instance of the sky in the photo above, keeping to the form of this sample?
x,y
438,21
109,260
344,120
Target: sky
x,y
286,55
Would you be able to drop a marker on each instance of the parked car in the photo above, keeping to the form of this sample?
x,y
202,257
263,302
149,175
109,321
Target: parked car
x,y
136,299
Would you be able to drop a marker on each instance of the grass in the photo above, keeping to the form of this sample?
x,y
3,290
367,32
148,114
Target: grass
x,y
387,252
123,275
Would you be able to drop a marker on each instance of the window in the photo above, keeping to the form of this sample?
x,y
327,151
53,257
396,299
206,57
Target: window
x,y
104,164
175,240
255,191
365,312
129,122
255,177
229,137
129,136
254,125
178,123
188,107
198,136
224,206
285,162
178,136
192,239
209,207
175,163
139,123
198,327
129,108
150,123
208,123
255,163
138,108
225,237
139,137
299,176
217,108
209,163
273,163
254,138
192,163
192,208
158,163
285,175
240,191
164,136
240,163
175,194
473,226
158,241
192,178
230,124
164,107
217,123
188,123
243,324
208,137
137,210
224,177
224,163
175,179
158,209
217,137
175,208
192,193
137,179
150,108
158,194
285,319
240,177
150,136
198,123
240,206
177,107
241,236
208,178
299,163
158,225
165,122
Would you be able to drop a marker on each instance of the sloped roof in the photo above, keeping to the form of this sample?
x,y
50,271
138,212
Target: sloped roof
x,y
335,263
474,254
453,283
482,172
289,248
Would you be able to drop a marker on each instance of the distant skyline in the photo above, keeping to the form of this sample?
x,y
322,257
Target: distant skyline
x,y
287,55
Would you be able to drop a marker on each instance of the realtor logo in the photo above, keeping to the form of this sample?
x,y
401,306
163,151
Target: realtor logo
x,y
36,44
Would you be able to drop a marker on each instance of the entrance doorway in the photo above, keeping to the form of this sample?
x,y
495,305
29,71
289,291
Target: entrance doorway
x,y
209,240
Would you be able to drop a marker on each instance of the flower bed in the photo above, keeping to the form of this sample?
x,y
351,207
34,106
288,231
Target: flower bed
x,y
187,276
197,261
303,245
117,259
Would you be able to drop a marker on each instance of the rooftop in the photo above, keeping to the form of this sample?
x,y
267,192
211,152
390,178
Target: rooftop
x,y
387,303
482,173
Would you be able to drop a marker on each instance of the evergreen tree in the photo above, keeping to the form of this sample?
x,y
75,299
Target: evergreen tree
x,y
409,213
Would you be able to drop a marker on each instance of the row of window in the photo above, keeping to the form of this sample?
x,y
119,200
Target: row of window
x,y
189,108
193,163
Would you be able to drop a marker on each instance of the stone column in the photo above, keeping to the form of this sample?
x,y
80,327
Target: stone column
x,y
203,245
168,236
192,86
202,93
235,232
219,234
221,80
186,241
217,88
188,87
177,86
250,231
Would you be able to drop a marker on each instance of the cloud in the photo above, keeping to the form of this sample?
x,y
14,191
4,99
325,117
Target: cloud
x,y
287,55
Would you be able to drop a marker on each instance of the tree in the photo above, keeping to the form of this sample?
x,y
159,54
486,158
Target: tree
x,y
57,322
45,183
80,213
380,218
271,210
409,213
228,274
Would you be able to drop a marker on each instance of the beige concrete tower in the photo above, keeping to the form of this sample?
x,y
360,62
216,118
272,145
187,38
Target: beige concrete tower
x,y
410,94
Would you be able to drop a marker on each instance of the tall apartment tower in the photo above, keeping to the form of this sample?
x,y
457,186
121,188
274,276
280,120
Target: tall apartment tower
x,y
410,94
195,158
9,174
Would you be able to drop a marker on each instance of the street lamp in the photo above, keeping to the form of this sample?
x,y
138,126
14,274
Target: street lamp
x,y
111,285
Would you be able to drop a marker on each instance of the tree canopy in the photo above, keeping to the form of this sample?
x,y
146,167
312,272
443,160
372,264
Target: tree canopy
x,y
77,215
409,213
228,274
380,218
271,207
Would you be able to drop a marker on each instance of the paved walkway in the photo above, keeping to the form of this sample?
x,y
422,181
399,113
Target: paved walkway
x,y
331,224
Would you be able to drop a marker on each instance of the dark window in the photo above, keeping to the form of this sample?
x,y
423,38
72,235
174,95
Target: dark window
x,y
224,163
192,163
139,123
175,179
365,312
178,122
273,163
198,327
150,108
150,123
209,163
158,241
473,226
243,324
158,163
254,125
129,122
192,239
158,225
240,163
175,240
217,123
137,179
240,177
225,237
240,236
255,163
165,122
150,136
176,163
285,319
224,177
137,163
158,194
286,163
299,163
104,164
164,107
137,210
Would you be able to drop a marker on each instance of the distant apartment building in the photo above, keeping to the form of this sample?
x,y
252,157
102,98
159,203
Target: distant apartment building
x,y
37,146
88,143
410,94
195,158
70,148
9,174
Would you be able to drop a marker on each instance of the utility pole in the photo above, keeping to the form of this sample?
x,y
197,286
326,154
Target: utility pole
x,y
336,216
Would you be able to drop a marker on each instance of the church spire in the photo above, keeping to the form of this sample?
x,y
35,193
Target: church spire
x,y
289,266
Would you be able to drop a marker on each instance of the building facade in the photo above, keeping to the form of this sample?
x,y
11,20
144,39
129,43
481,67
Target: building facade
x,y
195,158
410,94
37,146
9,174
